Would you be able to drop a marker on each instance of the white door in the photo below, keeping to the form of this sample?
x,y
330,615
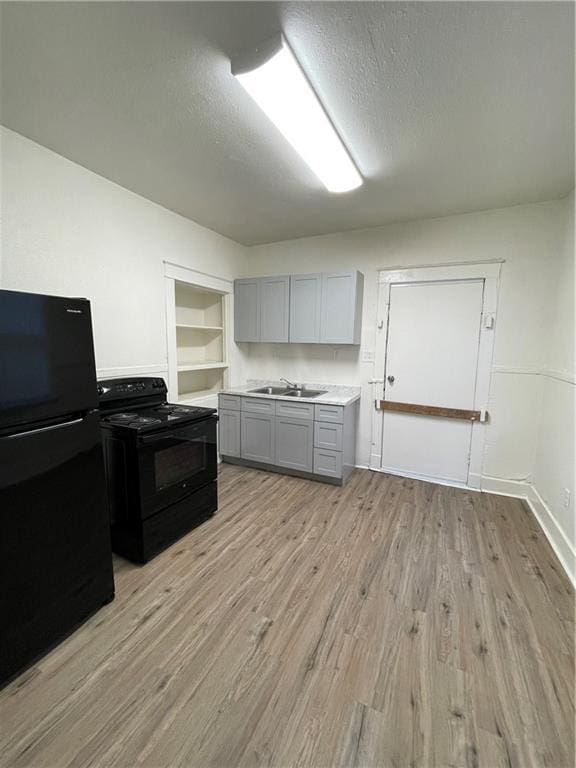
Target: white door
x,y
431,360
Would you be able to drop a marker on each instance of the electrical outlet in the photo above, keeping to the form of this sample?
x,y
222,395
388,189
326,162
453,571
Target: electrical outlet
x,y
367,356
566,498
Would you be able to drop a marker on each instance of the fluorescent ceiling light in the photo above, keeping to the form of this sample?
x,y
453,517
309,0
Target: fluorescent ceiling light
x,y
280,88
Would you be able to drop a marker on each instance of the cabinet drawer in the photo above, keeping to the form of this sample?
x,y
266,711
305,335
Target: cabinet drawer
x,y
333,413
327,435
328,463
295,410
229,402
258,405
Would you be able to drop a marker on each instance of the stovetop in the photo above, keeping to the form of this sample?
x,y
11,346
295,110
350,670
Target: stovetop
x,y
139,405
156,417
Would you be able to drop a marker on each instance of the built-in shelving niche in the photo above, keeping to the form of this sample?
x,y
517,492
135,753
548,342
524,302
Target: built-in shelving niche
x,y
201,363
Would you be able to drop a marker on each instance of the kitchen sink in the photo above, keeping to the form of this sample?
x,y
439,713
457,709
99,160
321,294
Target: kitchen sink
x,y
305,392
287,392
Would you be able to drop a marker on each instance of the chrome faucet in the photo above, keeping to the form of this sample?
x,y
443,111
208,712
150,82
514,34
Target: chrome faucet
x,y
290,383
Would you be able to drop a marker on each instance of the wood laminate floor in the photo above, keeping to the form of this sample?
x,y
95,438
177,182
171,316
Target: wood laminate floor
x,y
388,623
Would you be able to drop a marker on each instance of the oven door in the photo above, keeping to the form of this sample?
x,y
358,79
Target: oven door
x,y
174,463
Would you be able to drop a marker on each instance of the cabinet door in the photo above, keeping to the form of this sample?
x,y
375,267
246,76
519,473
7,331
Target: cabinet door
x,y
341,308
305,303
294,443
274,308
257,437
247,310
229,433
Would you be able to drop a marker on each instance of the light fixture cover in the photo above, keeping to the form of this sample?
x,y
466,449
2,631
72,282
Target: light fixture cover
x,y
280,88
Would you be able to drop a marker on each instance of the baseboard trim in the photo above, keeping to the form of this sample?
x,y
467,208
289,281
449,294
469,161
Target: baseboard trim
x,y
421,478
504,487
563,548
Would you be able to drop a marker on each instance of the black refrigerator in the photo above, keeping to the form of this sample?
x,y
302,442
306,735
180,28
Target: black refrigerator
x,y
55,554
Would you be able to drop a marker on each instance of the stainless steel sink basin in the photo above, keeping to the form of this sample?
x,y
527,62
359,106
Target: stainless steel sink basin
x,y
287,392
305,392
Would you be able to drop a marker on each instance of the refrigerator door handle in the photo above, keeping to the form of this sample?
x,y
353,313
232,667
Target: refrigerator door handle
x,y
37,431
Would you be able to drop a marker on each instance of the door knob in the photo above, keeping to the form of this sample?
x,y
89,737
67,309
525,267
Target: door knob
x,y
390,379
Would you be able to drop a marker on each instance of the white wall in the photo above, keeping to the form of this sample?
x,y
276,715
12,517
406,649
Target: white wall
x,y
526,237
68,231
554,468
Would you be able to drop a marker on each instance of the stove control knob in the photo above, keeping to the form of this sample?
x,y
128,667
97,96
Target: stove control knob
x,y
100,390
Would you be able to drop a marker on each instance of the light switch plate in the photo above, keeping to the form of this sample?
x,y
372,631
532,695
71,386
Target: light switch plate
x,y
367,356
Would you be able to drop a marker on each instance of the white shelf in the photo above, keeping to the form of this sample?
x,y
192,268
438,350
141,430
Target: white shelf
x,y
190,397
199,353
206,366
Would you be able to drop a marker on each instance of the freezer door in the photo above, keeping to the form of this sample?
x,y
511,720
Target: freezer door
x,y
46,358
55,554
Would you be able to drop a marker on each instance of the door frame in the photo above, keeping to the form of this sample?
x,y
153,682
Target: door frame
x,y
489,272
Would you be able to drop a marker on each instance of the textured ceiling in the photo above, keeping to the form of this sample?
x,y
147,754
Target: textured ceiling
x,y
446,107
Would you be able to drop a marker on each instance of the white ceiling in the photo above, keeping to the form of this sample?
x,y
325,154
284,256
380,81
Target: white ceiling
x,y
446,107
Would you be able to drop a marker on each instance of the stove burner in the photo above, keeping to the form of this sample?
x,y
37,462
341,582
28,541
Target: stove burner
x,y
122,418
131,419
175,410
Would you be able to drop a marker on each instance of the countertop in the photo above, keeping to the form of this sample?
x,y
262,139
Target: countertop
x,y
335,394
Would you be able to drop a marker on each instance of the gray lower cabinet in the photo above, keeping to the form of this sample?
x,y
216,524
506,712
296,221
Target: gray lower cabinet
x,y
328,435
229,402
294,443
258,437
328,463
229,432
310,438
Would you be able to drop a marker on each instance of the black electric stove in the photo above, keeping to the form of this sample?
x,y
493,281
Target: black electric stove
x,y
161,465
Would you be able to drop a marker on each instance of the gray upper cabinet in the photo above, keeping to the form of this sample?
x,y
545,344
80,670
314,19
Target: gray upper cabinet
x,y
341,317
274,308
305,308
247,309
261,309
